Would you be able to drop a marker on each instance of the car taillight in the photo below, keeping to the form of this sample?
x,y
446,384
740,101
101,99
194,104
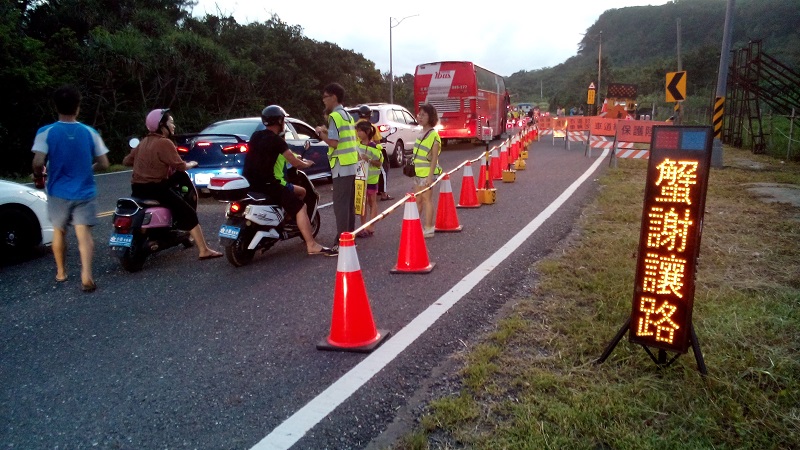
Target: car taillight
x,y
236,148
123,224
235,207
183,149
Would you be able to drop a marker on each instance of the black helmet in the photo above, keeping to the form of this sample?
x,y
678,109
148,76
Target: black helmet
x,y
273,115
364,112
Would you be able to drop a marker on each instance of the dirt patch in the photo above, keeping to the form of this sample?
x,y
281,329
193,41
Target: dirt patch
x,y
776,192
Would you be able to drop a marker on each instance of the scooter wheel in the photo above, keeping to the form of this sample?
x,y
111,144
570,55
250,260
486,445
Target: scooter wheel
x,y
238,254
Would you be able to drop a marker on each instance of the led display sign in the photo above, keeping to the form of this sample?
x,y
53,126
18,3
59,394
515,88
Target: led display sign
x,y
669,243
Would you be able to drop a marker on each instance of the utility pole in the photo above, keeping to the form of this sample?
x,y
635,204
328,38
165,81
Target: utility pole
x,y
678,104
599,72
722,86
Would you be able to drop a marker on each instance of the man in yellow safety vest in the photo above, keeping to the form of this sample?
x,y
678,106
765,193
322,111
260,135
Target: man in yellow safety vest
x,y
340,135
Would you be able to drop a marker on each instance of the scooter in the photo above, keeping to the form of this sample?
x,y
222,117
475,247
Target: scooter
x,y
254,221
143,226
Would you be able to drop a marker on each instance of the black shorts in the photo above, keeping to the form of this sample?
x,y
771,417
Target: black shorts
x,y
290,202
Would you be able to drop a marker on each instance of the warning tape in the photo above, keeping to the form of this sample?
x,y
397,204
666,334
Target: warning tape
x,y
634,154
577,136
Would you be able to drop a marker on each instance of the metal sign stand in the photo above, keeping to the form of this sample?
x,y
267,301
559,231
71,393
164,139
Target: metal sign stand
x,y
661,359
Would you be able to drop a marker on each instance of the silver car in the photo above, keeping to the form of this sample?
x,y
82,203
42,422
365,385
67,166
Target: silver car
x,y
397,126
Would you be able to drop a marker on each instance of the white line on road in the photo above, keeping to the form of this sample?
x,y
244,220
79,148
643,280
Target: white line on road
x,y
296,426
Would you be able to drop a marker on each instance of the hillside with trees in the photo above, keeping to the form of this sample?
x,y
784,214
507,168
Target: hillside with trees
x,y
639,46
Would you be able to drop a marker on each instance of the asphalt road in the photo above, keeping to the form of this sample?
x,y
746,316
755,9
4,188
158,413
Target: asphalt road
x,y
199,354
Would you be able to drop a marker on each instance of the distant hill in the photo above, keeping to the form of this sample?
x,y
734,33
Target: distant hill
x,y
639,45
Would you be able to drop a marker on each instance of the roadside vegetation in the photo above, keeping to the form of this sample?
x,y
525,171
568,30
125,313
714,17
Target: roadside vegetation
x,y
533,382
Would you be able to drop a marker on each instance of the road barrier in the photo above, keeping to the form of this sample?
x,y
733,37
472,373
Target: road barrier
x,y
412,257
352,326
469,195
446,215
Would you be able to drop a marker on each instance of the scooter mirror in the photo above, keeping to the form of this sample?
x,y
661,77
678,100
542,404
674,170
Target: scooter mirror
x,y
133,142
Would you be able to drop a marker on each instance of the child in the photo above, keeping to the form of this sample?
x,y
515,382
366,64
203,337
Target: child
x,y
370,152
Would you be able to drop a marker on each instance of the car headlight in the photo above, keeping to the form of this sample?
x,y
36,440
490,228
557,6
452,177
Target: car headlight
x,y
38,194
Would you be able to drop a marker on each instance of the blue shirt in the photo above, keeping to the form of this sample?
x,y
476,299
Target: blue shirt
x,y
70,148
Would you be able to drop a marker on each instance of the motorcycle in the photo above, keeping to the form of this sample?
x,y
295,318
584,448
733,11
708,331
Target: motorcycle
x,y
254,222
143,226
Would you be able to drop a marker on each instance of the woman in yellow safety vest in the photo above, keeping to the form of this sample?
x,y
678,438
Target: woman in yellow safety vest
x,y
426,164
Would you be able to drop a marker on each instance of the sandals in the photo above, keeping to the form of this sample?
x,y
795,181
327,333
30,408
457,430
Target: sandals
x,y
91,287
365,233
386,198
326,251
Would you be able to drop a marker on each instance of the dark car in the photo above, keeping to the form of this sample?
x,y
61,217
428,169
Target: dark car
x,y
221,147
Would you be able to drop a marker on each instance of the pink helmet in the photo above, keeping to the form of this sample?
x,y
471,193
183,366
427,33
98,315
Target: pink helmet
x,y
154,118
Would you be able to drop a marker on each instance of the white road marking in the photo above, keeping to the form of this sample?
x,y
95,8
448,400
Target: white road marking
x,y
296,426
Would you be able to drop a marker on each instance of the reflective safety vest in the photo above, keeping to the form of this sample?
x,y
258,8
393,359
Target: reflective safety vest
x,y
374,154
347,150
422,148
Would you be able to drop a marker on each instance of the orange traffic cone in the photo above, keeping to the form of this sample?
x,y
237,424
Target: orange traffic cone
x,y
352,326
503,159
469,195
484,176
494,165
413,254
446,216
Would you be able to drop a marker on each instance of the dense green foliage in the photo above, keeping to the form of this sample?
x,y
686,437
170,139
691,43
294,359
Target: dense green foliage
x,y
130,56
639,46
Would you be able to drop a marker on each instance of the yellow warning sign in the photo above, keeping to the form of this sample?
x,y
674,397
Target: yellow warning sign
x,y
676,86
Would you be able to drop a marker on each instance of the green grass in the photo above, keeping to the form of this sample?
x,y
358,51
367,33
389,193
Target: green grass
x,y
533,383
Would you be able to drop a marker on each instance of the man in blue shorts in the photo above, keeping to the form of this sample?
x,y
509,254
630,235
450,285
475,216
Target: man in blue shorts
x,y
72,152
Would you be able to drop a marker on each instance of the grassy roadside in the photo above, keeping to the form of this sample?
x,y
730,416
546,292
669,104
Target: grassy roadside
x,y
533,383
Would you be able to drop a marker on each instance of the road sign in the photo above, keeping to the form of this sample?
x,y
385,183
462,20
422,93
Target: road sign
x,y
669,243
590,97
592,87
676,86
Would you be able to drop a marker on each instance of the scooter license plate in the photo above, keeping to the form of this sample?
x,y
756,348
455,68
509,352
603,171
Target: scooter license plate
x,y
228,231
120,240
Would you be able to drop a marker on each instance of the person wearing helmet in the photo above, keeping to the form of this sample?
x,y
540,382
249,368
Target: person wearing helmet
x,y
364,115
153,160
265,166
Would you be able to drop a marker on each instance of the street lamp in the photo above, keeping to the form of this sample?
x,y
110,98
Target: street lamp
x,y
391,76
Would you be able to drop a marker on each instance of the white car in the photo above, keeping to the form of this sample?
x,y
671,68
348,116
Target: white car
x,y
24,223
397,125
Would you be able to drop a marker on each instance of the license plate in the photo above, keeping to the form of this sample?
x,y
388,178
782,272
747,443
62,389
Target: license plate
x,y
228,231
120,240
202,178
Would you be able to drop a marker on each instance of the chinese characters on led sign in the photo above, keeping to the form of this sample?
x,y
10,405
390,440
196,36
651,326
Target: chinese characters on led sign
x,y
677,178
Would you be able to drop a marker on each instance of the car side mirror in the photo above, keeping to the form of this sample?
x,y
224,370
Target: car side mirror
x,y
133,142
307,144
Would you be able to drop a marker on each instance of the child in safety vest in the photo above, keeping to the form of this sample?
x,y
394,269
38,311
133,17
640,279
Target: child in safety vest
x,y
370,152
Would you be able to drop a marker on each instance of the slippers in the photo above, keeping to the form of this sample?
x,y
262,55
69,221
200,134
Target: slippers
x,y
325,251
388,197
91,287
61,280
211,256
364,234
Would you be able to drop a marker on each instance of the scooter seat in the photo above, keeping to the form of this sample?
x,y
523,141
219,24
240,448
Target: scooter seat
x,y
146,201
262,197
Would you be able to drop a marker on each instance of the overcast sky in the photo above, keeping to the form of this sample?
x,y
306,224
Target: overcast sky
x,y
522,35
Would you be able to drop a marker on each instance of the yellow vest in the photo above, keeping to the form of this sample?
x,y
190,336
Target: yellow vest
x,y
347,150
422,148
375,154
